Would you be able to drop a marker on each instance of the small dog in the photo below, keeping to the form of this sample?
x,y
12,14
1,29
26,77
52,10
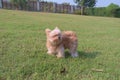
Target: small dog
x,y
57,41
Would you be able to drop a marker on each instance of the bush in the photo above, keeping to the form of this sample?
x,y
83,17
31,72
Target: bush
x,y
116,12
19,4
96,11
77,12
112,10
103,12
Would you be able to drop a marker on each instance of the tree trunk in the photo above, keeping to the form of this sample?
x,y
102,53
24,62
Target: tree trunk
x,y
38,5
28,5
1,3
82,10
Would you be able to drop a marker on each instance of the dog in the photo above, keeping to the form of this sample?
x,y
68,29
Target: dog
x,y
58,41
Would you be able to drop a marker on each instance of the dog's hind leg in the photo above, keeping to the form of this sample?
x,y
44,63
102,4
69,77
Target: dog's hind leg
x,y
74,54
73,51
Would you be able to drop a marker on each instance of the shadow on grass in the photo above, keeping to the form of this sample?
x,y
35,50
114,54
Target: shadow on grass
x,y
83,54
93,54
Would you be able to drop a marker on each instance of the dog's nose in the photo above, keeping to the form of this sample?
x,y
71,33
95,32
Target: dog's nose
x,y
59,37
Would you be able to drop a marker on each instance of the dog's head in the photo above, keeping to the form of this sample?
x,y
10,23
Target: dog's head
x,y
54,36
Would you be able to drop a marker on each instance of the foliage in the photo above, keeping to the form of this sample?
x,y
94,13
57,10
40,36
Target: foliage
x,y
23,55
78,12
85,3
112,10
112,6
116,12
20,3
65,3
96,11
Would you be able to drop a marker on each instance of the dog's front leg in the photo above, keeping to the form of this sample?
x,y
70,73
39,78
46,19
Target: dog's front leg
x,y
50,51
60,52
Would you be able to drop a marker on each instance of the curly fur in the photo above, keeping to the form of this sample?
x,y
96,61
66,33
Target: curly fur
x,y
58,41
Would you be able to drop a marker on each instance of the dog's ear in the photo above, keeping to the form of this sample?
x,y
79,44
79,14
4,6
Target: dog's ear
x,y
56,27
47,31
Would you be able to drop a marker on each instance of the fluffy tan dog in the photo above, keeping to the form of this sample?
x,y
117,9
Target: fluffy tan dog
x,y
57,41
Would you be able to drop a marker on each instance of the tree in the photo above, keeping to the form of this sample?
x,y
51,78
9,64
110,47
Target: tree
x,y
65,3
116,12
19,3
110,8
85,3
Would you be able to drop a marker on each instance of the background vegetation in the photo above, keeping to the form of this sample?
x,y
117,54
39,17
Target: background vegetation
x,y
112,10
84,7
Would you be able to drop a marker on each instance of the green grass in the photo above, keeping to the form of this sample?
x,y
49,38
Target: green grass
x,y
23,52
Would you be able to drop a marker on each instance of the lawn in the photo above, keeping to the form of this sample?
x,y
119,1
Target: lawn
x,y
23,52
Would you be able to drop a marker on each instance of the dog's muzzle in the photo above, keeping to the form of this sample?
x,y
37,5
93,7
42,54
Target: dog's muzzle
x,y
54,43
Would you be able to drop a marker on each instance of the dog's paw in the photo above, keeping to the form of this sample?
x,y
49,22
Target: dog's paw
x,y
74,54
50,53
60,56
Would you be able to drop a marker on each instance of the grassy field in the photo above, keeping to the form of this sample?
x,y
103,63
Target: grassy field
x,y
23,52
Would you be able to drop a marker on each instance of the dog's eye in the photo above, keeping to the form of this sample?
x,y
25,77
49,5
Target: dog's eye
x,y
55,35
